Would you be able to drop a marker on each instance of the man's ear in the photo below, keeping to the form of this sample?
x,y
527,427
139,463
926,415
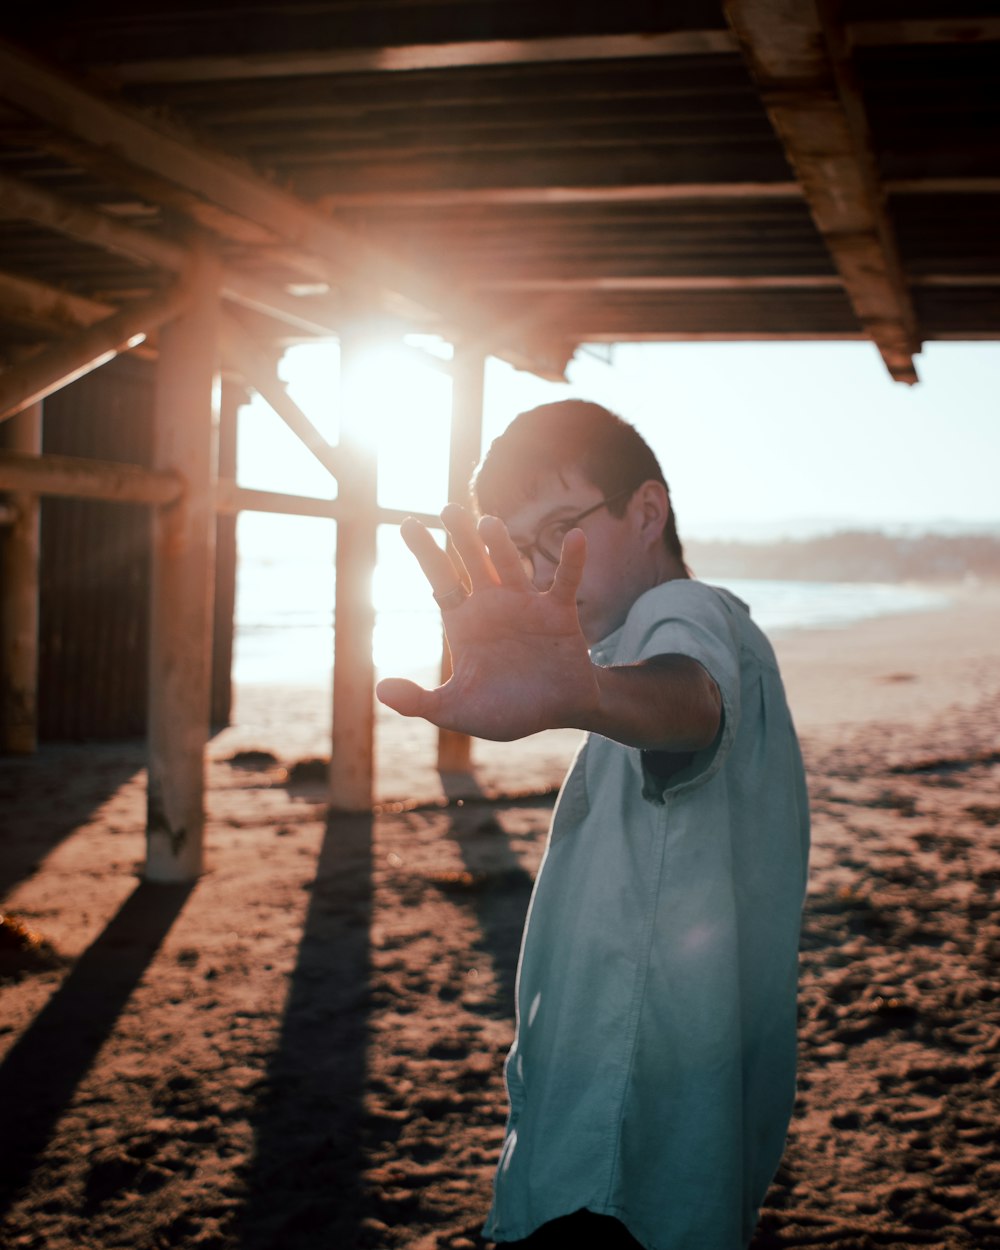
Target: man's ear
x,y
652,505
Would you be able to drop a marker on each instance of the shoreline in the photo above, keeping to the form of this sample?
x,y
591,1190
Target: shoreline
x,y
836,678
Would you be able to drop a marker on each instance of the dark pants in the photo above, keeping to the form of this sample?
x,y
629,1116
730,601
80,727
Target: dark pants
x,y
572,1232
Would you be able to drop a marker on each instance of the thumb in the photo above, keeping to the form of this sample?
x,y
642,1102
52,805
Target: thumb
x,y
404,697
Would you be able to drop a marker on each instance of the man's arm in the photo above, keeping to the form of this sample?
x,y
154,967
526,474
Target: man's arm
x,y
521,663
665,703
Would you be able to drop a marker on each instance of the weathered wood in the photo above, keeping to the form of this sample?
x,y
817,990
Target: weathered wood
x,y
904,32
24,200
762,282
224,618
21,549
64,362
231,498
181,602
226,196
250,361
501,196
352,752
28,202
33,303
457,55
77,477
800,61
468,372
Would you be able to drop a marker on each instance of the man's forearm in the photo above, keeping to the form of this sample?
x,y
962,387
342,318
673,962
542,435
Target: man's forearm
x,y
666,703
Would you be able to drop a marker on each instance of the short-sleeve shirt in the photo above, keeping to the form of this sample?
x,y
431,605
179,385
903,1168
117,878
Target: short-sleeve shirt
x,y
652,1074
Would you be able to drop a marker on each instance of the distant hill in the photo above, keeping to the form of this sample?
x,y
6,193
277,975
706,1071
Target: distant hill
x,y
852,556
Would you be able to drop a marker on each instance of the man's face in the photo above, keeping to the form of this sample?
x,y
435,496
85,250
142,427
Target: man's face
x,y
616,572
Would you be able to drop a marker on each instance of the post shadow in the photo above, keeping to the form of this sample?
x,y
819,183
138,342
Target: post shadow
x,y
41,1073
37,817
498,896
305,1183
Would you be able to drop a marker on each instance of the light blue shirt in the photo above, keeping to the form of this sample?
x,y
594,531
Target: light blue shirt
x,y
652,1074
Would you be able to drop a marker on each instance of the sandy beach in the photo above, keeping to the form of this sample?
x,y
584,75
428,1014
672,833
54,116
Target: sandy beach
x,y
304,1049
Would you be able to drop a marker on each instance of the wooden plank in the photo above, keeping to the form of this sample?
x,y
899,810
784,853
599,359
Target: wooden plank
x,y
468,371
502,196
78,477
25,201
226,558
21,543
662,282
906,32
64,362
231,498
228,196
249,360
352,750
33,303
467,54
181,606
800,62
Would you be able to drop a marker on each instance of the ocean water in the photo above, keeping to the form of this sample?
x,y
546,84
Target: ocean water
x,y
284,628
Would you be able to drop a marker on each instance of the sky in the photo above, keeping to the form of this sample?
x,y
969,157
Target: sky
x,y
757,440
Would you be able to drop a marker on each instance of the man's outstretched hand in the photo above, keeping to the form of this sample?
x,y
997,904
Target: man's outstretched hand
x,y
520,661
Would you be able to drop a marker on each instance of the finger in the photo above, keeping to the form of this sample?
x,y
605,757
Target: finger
x,y
406,697
436,564
505,556
570,569
461,527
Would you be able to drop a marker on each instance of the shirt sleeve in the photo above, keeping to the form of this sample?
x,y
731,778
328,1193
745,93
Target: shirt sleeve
x,y
691,619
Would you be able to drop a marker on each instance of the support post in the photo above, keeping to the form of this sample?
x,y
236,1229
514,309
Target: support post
x,y
19,620
233,395
352,752
455,749
187,396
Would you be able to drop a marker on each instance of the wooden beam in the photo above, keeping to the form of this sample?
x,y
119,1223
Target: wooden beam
x,y
494,197
228,196
943,186
352,749
25,201
46,308
21,552
465,448
181,610
800,62
64,362
905,32
231,498
662,282
248,360
226,558
77,477
426,56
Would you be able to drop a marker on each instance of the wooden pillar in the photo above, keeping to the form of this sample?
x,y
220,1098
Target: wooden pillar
x,y
184,439
19,619
468,365
233,395
352,753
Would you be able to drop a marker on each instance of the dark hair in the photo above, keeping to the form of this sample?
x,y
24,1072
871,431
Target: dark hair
x,y
569,434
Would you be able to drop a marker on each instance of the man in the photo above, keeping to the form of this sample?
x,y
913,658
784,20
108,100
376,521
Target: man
x,y
651,1078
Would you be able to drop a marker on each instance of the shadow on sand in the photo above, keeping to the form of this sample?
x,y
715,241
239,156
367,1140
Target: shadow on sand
x,y
308,1124
35,821
41,1073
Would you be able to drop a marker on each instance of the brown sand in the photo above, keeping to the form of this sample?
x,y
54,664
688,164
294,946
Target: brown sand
x,y
304,1050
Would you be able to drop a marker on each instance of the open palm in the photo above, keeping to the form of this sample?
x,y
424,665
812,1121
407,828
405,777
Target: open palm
x,y
520,661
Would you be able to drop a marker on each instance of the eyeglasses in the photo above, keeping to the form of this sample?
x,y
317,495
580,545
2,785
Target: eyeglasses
x,y
548,539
